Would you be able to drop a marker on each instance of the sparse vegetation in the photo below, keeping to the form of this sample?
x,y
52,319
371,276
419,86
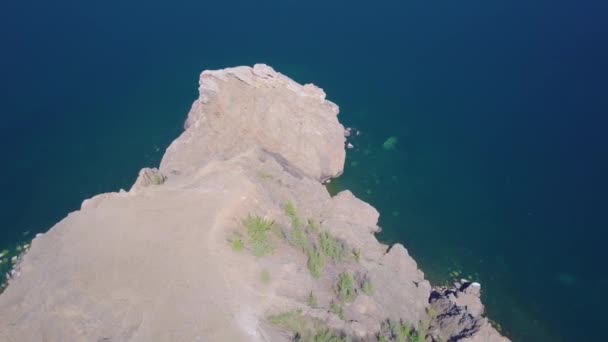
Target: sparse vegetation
x,y
237,244
290,210
292,321
312,300
331,247
313,226
304,329
265,277
265,175
337,309
316,262
325,336
357,254
297,235
257,230
346,287
400,332
432,312
367,287
299,239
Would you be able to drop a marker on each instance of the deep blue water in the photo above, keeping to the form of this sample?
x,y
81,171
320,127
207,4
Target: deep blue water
x,y
499,109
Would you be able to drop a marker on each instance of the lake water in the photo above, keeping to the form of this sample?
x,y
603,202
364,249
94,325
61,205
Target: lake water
x,y
495,115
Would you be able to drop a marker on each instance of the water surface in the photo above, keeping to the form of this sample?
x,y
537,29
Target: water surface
x,y
498,110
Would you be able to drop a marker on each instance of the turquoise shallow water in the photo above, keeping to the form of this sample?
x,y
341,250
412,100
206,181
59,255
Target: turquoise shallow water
x,y
498,110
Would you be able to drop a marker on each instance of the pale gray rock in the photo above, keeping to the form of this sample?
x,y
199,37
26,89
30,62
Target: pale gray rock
x,y
471,288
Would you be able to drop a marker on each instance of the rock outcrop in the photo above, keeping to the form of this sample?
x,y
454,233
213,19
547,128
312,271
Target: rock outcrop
x,y
233,238
458,314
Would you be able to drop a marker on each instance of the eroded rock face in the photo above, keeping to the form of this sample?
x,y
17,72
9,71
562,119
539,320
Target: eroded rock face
x,y
160,262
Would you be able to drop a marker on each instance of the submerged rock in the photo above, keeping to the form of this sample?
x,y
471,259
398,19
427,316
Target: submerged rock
x,y
234,238
390,143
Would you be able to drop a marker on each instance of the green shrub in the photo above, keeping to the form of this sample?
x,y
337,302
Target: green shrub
x,y
156,179
331,247
315,262
346,287
257,230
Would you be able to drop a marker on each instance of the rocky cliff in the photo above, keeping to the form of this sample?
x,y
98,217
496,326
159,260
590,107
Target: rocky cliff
x,y
234,238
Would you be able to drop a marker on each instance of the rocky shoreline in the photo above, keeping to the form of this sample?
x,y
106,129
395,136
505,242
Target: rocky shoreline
x,y
235,238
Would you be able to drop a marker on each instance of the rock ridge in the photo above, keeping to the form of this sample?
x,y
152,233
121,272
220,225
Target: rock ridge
x,y
235,238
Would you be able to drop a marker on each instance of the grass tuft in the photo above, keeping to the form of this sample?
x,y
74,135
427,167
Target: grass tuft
x,y
292,321
315,262
299,239
290,210
331,247
313,225
337,309
402,332
346,287
304,330
392,331
357,254
312,300
326,336
367,287
237,244
257,230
